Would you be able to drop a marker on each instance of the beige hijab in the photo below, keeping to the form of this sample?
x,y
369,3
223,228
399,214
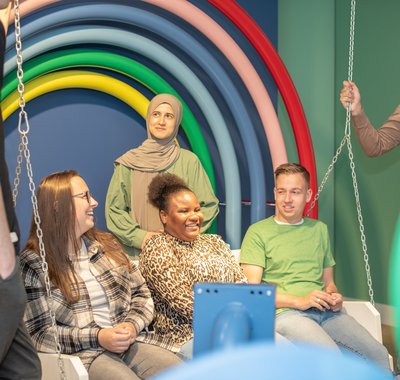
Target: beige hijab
x,y
152,157
155,155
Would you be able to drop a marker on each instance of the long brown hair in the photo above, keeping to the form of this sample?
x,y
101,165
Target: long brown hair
x,y
57,216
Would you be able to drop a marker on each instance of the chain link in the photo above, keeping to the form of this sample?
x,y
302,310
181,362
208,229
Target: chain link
x,y
17,173
346,140
24,149
361,224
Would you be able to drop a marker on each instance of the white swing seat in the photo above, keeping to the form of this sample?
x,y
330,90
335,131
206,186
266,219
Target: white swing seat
x,y
366,315
73,367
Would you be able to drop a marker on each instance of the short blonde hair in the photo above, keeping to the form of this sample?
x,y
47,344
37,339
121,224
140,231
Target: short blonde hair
x,y
292,168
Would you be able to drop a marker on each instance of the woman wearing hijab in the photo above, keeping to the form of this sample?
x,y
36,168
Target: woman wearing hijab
x,y
129,215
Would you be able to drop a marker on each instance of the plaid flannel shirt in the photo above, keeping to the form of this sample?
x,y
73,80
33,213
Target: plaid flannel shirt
x,y
127,293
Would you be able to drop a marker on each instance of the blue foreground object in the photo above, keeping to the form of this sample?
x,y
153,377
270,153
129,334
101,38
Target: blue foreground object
x,y
228,315
277,362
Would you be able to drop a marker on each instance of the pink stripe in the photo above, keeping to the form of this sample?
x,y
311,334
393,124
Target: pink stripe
x,y
282,78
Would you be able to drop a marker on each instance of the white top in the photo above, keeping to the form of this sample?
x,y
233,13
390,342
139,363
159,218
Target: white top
x,y
97,295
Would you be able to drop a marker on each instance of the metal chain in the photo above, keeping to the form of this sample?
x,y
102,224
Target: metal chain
x,y
21,99
326,176
17,173
23,148
361,225
346,140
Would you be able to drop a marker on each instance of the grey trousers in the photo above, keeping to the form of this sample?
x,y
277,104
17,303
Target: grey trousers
x,y
141,361
18,357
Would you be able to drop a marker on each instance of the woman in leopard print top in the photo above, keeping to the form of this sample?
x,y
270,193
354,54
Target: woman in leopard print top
x,y
174,261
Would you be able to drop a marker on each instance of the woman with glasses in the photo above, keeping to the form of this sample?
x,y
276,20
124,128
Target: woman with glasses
x,y
129,215
100,300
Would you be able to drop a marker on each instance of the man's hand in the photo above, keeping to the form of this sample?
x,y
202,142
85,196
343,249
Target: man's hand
x,y
337,303
318,299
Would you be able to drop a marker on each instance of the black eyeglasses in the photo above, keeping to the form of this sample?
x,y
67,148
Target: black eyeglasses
x,y
84,195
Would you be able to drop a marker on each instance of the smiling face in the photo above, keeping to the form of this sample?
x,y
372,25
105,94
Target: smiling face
x,y
291,195
183,218
162,122
84,206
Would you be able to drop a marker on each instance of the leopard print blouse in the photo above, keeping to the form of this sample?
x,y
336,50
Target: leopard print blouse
x,y
171,267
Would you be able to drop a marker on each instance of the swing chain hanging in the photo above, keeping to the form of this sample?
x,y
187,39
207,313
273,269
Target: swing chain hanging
x,y
23,149
326,176
361,224
346,140
21,99
352,164
17,172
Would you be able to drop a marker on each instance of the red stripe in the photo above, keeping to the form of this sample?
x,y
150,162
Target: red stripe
x,y
269,55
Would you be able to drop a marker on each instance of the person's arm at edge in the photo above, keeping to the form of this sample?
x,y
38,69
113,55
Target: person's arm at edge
x,y
377,142
7,252
374,142
5,8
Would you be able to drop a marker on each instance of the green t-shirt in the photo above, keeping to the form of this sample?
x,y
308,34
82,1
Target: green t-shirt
x,y
293,256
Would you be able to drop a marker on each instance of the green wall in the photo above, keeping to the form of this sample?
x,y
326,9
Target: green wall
x,y
306,46
313,42
376,71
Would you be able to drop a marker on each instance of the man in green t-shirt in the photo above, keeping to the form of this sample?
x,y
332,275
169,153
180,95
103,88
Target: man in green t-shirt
x,y
294,253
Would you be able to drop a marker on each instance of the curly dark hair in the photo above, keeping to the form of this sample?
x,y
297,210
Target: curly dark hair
x,y
164,185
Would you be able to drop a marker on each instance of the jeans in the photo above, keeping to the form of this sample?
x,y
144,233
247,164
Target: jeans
x,y
336,330
141,361
186,351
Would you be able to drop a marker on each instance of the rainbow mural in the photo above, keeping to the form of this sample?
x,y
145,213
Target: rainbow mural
x,y
130,49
